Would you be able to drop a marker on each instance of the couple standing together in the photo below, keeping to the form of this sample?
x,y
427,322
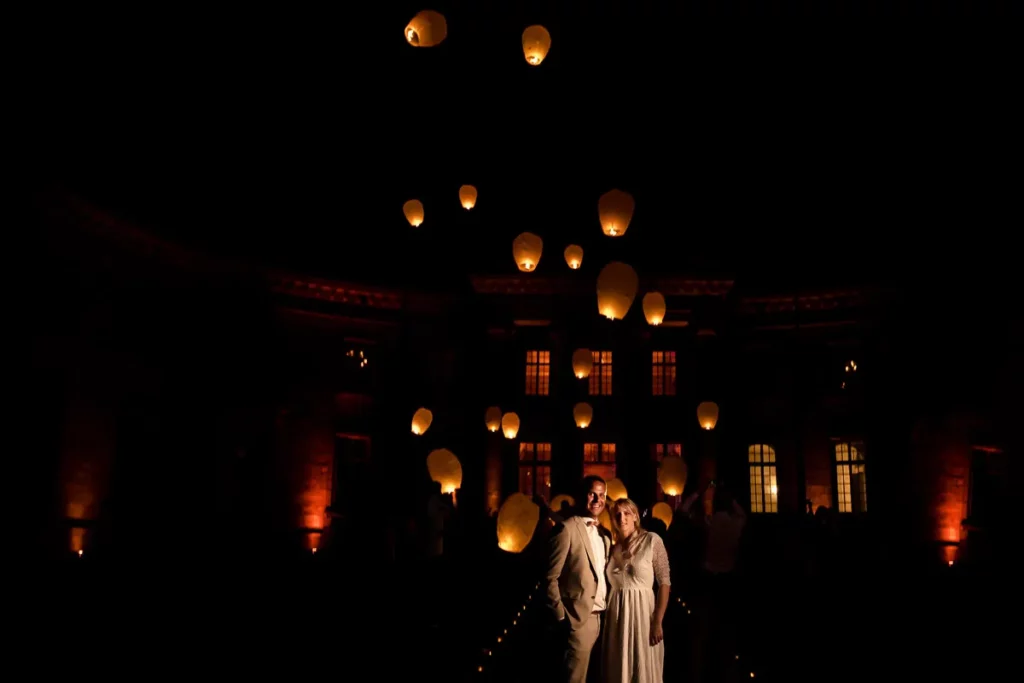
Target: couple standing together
x,y
591,579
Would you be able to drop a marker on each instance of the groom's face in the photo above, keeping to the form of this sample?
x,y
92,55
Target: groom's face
x,y
595,499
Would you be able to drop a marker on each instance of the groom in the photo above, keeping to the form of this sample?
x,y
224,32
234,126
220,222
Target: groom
x,y
577,588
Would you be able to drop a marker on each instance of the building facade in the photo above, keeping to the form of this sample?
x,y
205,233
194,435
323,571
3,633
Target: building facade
x,y
261,405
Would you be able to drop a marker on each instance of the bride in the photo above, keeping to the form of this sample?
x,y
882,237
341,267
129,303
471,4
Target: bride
x,y
634,651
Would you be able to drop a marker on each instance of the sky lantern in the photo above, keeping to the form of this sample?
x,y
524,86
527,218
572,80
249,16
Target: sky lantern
x,y
707,415
413,210
467,197
536,43
672,475
615,490
583,414
616,289
654,307
421,420
663,512
445,469
492,418
615,209
510,425
582,363
427,29
526,250
574,256
517,520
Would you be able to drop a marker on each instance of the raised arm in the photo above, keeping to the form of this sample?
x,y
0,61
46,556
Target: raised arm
x,y
690,500
558,550
664,579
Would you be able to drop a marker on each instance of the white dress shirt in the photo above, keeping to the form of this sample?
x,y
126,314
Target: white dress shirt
x,y
597,545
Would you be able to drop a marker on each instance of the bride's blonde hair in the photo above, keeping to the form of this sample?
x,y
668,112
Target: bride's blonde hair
x,y
631,506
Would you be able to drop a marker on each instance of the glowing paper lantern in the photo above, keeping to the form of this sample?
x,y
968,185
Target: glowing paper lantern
x,y
413,210
517,520
526,250
582,363
663,512
426,29
445,469
672,475
615,209
616,289
467,197
654,307
536,44
556,502
493,418
574,256
583,414
615,489
707,415
421,420
510,425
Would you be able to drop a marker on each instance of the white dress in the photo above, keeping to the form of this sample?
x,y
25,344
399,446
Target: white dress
x,y
628,654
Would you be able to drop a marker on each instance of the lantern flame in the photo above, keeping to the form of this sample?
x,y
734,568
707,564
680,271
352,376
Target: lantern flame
x,y
536,44
517,521
427,29
445,469
615,209
510,425
707,415
413,210
582,363
574,256
654,308
467,196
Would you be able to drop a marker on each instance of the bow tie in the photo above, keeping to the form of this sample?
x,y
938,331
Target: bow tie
x,y
591,522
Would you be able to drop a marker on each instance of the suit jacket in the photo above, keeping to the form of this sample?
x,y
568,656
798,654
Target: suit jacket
x,y
572,571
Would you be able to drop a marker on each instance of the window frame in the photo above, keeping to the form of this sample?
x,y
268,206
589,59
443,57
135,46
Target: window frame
x,y
607,456
537,377
534,465
837,497
661,383
601,360
761,467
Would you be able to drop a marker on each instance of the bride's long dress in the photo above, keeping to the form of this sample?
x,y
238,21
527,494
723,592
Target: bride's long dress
x,y
628,654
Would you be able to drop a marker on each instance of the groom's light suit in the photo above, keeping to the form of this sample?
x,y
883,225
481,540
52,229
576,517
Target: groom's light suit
x,y
575,577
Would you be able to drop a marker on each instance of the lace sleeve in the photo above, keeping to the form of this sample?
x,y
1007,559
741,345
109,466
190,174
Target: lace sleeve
x,y
660,561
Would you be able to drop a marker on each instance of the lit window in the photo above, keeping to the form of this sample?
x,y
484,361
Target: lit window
x,y
601,374
851,482
599,459
658,453
663,373
538,372
535,470
764,487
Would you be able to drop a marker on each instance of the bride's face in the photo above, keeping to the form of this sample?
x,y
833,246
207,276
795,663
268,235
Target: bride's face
x,y
626,520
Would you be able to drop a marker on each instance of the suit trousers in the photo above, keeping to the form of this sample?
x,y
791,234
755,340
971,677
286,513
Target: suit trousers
x,y
579,648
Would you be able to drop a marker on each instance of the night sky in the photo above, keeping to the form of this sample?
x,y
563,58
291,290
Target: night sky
x,y
760,149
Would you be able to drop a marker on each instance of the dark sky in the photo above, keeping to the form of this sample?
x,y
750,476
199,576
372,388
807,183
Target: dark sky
x,y
766,150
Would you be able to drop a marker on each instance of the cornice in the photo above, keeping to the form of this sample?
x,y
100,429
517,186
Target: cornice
x,y
335,291
511,285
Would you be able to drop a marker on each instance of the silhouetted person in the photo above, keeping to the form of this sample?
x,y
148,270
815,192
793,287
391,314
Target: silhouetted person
x,y
577,588
718,594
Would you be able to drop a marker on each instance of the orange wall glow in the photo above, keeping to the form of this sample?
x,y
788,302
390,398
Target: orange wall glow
x,y
86,456
306,452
